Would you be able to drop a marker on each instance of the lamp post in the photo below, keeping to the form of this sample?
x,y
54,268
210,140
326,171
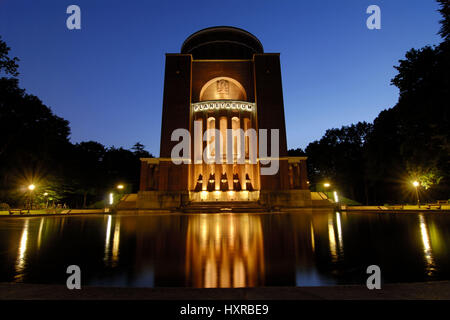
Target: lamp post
x,y
416,185
31,188
120,190
326,185
46,199
111,198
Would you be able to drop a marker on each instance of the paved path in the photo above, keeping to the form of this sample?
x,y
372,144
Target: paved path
x,y
410,291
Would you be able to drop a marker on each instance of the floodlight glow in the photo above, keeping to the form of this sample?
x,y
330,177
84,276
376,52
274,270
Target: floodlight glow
x,y
336,198
31,187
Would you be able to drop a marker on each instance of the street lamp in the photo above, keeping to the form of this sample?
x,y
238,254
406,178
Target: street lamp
x,y
326,185
336,198
31,187
46,199
416,185
120,186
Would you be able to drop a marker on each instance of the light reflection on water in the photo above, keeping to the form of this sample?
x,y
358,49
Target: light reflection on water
x,y
427,251
21,257
226,250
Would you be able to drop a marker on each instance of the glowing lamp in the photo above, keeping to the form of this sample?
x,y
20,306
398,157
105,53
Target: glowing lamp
x,y
336,198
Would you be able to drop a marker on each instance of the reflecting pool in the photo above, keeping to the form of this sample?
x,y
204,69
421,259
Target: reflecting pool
x,y
311,248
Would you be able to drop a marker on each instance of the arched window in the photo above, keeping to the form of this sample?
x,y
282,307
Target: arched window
x,y
223,88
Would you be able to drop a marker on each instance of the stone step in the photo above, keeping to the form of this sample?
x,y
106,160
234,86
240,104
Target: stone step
x,y
224,206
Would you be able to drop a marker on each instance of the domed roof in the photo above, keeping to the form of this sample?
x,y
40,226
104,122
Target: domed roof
x,y
222,43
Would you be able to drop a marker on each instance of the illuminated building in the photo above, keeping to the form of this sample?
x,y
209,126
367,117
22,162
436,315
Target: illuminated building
x,y
222,79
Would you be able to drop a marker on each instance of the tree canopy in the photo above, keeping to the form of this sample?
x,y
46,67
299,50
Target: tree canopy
x,y
8,65
408,142
35,148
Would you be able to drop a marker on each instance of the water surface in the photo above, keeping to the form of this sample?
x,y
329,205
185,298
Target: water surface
x,y
312,248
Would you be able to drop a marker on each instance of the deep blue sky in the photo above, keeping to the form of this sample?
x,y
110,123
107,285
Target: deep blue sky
x,y
107,78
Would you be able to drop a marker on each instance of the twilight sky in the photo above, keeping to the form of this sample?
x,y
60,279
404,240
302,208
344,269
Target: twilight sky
x,y
107,78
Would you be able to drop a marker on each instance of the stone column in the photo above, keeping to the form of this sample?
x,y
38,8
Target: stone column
x,y
229,166
217,166
303,175
204,165
144,176
241,143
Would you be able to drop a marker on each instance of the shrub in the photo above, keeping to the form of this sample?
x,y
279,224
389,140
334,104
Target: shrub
x,y
4,206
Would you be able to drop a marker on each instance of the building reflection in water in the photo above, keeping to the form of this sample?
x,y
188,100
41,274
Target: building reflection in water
x,y
427,250
224,251
21,255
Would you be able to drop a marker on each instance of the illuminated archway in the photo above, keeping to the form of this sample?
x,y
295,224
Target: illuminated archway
x,y
223,88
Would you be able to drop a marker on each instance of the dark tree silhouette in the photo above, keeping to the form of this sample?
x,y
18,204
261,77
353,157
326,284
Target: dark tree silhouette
x,y
7,64
33,139
296,152
338,157
444,9
407,142
35,148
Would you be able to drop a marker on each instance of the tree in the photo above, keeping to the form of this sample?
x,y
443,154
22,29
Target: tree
x,y
35,148
123,166
411,140
296,152
139,151
87,173
444,9
338,157
33,139
7,64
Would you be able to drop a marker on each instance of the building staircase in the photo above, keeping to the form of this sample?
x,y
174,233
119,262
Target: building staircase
x,y
224,207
